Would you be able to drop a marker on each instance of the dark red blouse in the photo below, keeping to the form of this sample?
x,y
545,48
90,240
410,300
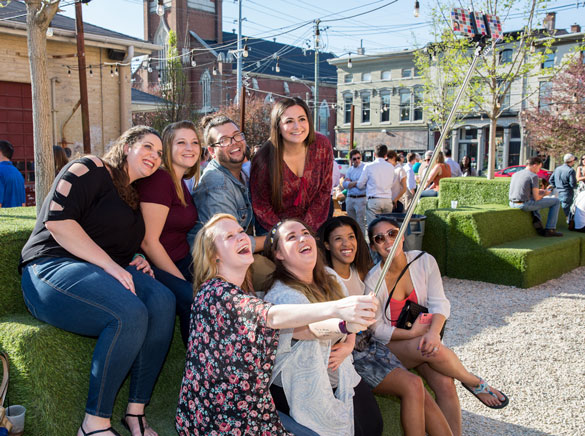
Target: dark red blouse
x,y
305,197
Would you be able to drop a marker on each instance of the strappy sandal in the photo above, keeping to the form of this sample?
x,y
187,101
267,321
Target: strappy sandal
x,y
99,431
483,388
140,422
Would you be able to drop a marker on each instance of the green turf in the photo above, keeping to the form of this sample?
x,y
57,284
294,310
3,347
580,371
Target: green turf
x,y
474,191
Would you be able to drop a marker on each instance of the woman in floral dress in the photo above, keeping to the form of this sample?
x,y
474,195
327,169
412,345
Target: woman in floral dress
x,y
234,337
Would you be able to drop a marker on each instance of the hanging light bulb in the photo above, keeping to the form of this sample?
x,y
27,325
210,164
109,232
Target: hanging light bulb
x,y
349,64
193,61
116,71
246,51
69,71
111,71
49,32
215,70
90,71
159,76
149,69
160,9
277,66
416,9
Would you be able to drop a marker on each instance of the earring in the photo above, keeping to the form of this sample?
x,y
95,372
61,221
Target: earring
x,y
217,260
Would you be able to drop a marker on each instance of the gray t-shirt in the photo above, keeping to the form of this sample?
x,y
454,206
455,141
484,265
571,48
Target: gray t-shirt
x,y
521,185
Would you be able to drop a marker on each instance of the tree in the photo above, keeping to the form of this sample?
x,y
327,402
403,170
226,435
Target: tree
x,y
257,120
38,17
556,124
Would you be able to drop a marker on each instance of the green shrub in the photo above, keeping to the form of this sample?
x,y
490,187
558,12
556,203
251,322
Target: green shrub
x,y
474,191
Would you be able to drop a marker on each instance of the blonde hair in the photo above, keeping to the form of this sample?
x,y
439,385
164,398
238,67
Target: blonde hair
x,y
168,136
204,254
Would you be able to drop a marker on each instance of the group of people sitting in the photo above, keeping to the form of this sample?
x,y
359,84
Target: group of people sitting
x,y
121,246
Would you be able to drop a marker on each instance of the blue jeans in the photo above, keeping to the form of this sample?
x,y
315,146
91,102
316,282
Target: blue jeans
x,y
429,193
133,331
294,427
533,206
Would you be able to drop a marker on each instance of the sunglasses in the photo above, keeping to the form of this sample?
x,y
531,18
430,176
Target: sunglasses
x,y
355,158
381,237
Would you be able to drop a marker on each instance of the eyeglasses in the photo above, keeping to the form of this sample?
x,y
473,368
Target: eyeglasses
x,y
226,141
427,160
355,158
381,237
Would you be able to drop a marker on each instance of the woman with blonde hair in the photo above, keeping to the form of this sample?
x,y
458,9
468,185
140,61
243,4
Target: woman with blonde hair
x,y
169,213
233,339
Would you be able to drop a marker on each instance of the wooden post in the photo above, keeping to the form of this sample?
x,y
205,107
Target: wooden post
x,y
243,109
82,78
351,124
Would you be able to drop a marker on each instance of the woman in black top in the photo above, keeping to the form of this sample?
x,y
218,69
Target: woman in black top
x,y
80,273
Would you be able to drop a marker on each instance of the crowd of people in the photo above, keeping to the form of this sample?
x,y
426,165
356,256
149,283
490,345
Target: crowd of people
x,y
283,329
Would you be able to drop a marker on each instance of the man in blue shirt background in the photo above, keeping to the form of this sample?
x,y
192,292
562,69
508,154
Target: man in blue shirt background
x,y
356,198
565,180
11,181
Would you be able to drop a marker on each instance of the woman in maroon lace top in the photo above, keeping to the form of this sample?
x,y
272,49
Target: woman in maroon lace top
x,y
291,174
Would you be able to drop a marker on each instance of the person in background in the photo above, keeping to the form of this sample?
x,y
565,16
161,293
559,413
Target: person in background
x,y
60,158
291,174
466,168
424,164
399,184
335,183
12,193
247,165
410,178
455,168
417,163
377,178
356,198
169,214
580,174
565,181
440,171
81,273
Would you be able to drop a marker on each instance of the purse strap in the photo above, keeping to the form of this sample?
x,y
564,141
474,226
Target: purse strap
x,y
5,377
398,279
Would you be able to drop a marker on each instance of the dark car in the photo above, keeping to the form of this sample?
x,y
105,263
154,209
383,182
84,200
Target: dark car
x,y
507,172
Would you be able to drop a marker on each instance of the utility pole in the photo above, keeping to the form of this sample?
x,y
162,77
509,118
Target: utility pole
x,y
239,55
316,108
82,78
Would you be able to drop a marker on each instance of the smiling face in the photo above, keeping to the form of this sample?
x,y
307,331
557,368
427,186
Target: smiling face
x,y
383,239
294,125
143,157
233,247
342,244
232,154
297,248
185,150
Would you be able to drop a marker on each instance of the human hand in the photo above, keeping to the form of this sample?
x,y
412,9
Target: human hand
x,y
429,344
418,328
121,275
358,309
340,351
142,264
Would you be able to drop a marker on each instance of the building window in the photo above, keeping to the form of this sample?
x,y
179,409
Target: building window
x,y
348,78
544,95
367,77
385,106
549,60
366,108
324,118
205,84
161,37
418,103
504,98
347,103
506,56
386,75
405,104
406,73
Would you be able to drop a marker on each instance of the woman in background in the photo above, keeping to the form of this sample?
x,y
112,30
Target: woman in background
x,y
466,169
60,158
440,171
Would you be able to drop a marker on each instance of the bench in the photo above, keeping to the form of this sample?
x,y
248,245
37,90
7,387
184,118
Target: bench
x,y
50,367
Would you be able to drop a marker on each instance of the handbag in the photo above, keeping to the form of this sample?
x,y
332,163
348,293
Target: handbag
x,y
4,422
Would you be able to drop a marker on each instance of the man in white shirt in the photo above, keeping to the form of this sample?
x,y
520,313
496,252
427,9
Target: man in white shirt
x,y
399,184
356,198
455,168
377,177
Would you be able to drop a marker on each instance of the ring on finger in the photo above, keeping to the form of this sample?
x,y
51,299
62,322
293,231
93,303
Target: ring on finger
x,y
436,349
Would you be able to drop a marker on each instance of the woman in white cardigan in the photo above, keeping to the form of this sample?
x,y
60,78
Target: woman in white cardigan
x,y
420,347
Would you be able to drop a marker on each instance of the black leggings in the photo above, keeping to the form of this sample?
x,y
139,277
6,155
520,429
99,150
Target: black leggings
x,y
366,413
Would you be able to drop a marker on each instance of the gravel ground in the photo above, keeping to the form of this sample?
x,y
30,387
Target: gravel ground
x,y
530,343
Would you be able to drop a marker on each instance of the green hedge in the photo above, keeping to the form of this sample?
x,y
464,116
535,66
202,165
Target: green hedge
x,y
474,191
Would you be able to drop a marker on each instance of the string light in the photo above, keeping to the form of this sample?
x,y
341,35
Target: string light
x,y
116,71
193,61
160,9
111,71
90,71
416,9
246,51
349,64
69,71
215,70
49,32
277,66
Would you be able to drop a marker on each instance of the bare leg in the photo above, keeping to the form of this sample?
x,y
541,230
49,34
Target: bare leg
x,y
95,423
133,422
444,361
447,399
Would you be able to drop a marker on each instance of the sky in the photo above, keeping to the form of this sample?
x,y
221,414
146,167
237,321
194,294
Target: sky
x,y
390,26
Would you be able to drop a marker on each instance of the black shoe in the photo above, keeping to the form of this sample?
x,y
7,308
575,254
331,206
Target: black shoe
x,y
552,232
571,224
537,223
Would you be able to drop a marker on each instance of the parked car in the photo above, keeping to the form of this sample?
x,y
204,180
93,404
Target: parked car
x,y
507,172
343,166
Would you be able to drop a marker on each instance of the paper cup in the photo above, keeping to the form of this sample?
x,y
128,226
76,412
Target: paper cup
x,y
453,204
15,415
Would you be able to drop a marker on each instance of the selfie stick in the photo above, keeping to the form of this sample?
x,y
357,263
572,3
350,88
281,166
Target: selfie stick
x,y
480,35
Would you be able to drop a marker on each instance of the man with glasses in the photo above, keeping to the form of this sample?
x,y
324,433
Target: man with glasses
x,y
224,187
356,197
565,180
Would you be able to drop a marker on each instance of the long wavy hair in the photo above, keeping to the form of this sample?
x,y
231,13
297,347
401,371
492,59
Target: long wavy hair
x,y
276,145
204,254
115,158
362,261
168,136
324,287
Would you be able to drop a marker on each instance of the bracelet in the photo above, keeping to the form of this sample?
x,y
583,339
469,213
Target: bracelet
x,y
343,327
139,255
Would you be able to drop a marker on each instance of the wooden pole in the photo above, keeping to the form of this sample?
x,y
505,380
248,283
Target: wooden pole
x,y
351,124
243,109
82,78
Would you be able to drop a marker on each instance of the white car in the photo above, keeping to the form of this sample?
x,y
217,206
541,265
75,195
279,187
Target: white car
x,y
343,166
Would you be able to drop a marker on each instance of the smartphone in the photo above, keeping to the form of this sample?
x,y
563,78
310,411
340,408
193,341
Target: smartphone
x,y
425,318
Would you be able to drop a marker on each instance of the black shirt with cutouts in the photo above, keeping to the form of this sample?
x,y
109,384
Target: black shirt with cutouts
x,y
92,200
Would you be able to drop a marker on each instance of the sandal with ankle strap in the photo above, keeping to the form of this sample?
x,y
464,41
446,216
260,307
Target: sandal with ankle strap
x,y
99,431
140,422
483,388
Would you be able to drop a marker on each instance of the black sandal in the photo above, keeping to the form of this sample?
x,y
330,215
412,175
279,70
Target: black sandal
x,y
99,431
140,422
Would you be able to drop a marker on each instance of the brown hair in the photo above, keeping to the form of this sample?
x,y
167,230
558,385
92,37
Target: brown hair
x,y
60,158
208,122
325,286
115,158
168,136
276,146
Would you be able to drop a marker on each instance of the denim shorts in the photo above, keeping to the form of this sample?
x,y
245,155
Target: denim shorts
x,y
375,363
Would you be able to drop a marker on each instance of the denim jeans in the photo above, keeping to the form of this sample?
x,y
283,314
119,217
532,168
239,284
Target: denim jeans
x,y
294,427
533,206
429,193
133,331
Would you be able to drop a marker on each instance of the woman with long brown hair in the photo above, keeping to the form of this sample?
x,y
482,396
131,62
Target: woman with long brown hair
x,y
291,174
440,171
